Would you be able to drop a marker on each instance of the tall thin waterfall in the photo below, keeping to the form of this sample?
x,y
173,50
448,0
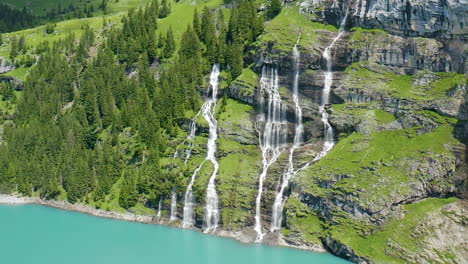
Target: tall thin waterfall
x,y
299,129
190,137
158,215
273,135
189,202
329,143
173,206
212,210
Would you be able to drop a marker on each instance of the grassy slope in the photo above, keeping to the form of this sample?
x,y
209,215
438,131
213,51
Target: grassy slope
x,y
284,29
381,79
41,7
402,232
239,166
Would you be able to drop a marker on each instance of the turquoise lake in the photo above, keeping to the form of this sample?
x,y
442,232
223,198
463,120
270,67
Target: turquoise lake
x,y
38,234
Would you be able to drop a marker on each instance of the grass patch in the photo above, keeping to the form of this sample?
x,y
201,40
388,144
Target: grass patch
x,y
282,32
247,82
379,78
361,38
302,222
19,73
380,166
401,232
182,15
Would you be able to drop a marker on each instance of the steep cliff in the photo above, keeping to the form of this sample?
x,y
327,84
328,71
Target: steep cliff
x,y
399,109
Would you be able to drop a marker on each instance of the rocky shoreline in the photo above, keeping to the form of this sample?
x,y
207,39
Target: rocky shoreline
x,y
242,236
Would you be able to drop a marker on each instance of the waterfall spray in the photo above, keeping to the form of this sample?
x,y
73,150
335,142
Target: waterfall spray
x,y
212,210
158,215
329,142
299,128
173,206
273,136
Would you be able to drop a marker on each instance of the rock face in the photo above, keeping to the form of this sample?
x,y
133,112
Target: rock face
x,y
424,18
5,66
399,114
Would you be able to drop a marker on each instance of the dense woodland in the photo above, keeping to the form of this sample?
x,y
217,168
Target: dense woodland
x,y
88,119
13,19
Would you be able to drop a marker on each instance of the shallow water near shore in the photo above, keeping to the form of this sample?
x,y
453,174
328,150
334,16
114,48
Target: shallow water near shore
x,y
39,234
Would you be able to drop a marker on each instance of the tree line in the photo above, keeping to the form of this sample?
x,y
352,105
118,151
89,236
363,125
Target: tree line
x,y
90,121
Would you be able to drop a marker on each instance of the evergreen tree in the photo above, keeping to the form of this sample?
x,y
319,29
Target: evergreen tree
x,y
275,8
128,192
196,23
14,50
209,37
169,45
165,9
152,49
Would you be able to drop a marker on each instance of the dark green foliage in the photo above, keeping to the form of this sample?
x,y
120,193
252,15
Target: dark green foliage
x,y
165,9
50,28
7,91
208,36
169,44
93,120
12,19
245,24
235,59
275,8
196,23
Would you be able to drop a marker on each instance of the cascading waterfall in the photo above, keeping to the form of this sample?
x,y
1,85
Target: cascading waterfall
x,y
212,210
329,142
190,137
273,135
299,129
173,206
158,215
189,202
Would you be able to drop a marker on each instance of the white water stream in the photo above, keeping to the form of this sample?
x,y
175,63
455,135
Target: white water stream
x,y
273,136
173,206
329,142
299,129
212,211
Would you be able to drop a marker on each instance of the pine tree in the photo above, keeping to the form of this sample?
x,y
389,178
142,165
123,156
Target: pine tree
x,y
275,8
152,46
165,9
161,40
14,51
128,192
169,46
196,23
236,59
209,36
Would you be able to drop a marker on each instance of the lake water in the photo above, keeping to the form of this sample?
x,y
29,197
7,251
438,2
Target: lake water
x,y
38,234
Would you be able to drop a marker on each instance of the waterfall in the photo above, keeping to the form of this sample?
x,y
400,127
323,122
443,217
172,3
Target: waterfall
x,y
212,210
190,137
208,110
329,142
299,128
158,215
274,132
189,202
173,206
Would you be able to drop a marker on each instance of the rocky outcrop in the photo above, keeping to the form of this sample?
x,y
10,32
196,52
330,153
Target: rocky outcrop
x,y
5,66
424,18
